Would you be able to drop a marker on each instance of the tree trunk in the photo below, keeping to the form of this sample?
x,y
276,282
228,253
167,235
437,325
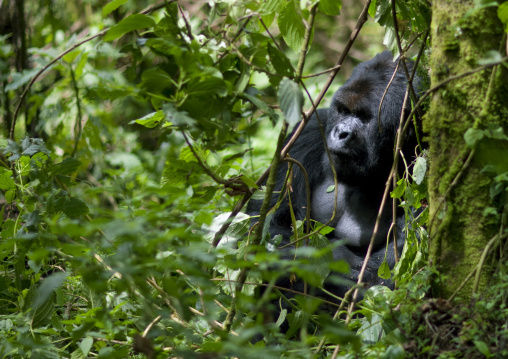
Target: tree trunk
x,y
458,190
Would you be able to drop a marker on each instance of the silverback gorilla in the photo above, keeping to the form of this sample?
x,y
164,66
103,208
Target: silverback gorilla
x,y
361,151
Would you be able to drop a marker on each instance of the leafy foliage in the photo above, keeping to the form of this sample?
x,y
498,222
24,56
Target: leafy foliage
x,y
151,134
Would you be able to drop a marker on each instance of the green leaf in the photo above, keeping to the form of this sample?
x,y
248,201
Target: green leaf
x,y
151,120
48,287
384,271
491,57
249,182
291,100
330,7
263,106
400,189
271,7
71,207
21,78
472,136
482,347
67,166
208,86
6,182
502,13
106,10
419,169
330,189
86,345
280,62
175,117
130,23
291,26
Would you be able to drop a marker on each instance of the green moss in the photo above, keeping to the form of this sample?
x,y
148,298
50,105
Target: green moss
x,y
458,237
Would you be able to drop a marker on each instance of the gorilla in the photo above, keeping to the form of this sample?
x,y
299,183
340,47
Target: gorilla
x,y
361,152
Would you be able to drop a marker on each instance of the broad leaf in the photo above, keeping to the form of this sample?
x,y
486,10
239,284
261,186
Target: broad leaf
x,y
130,23
291,100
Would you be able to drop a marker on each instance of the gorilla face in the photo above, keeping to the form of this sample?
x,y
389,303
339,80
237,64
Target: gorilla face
x,y
361,147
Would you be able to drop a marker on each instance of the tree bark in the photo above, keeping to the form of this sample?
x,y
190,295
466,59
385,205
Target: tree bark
x,y
458,190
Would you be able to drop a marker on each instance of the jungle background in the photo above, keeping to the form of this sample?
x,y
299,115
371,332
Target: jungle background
x,y
132,130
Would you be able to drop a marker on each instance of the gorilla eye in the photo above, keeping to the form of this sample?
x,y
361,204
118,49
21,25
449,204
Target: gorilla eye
x,y
363,114
343,109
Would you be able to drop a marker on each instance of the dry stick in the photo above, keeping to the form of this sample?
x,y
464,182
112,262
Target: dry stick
x,y
49,64
307,187
322,72
187,25
77,127
404,65
384,94
305,46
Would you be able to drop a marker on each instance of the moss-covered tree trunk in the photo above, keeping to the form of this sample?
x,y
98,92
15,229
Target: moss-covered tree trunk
x,y
458,190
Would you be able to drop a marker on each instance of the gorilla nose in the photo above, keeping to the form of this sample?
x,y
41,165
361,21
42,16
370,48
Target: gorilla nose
x,y
341,133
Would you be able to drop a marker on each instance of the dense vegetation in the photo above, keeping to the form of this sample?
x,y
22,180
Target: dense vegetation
x,y
131,134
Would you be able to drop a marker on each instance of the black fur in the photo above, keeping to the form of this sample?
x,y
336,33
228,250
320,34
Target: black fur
x,y
362,156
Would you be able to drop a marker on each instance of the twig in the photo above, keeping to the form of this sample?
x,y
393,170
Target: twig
x,y
306,41
307,188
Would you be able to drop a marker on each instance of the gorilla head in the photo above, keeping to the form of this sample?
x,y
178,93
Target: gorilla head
x,y
360,146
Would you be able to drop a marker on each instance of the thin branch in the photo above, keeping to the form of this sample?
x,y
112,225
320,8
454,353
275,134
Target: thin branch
x,y
307,188
384,94
306,41
412,92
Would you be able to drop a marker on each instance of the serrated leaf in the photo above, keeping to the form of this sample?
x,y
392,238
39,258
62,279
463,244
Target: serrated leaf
x,y
130,23
472,136
106,10
291,26
67,166
384,271
419,169
290,100
330,7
